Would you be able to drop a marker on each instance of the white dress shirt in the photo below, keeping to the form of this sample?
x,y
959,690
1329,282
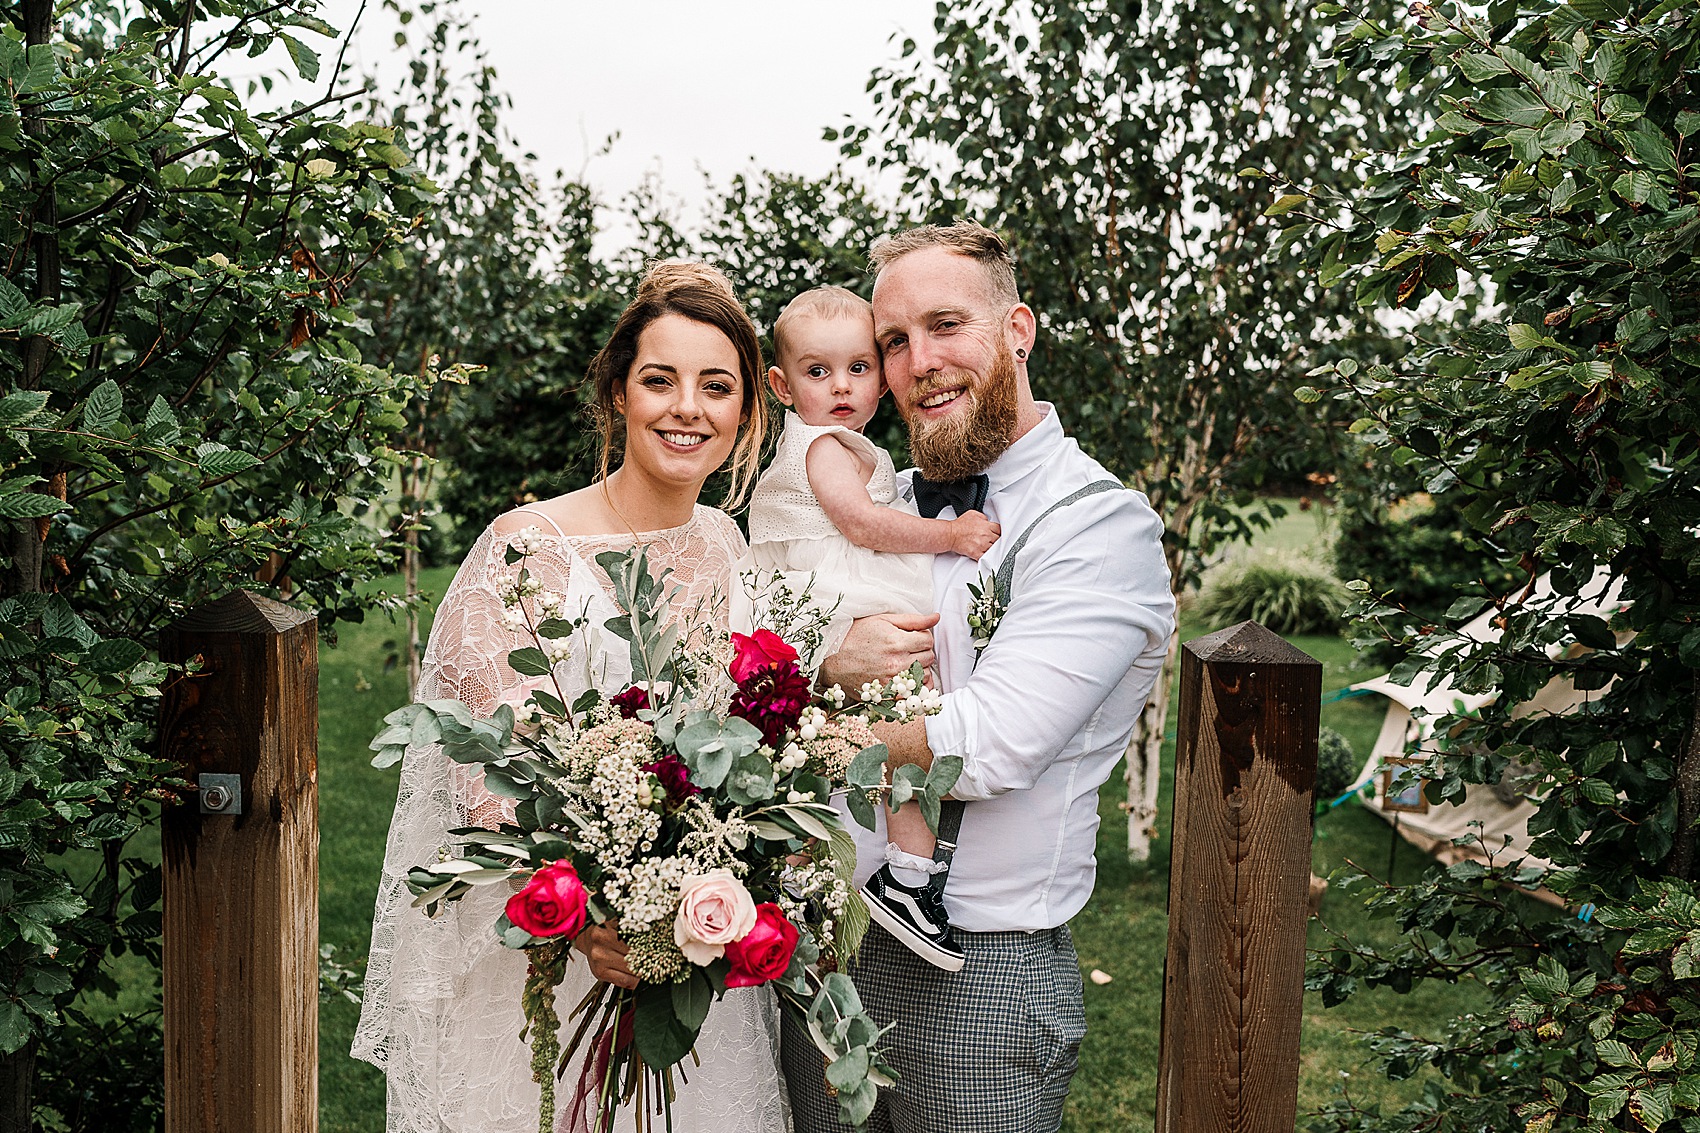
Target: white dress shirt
x,y
1044,718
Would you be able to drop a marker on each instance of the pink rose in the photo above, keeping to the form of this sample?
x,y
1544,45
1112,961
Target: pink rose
x,y
763,649
552,902
714,910
765,951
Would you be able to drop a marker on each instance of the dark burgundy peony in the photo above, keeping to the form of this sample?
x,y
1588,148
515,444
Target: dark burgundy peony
x,y
675,779
630,701
772,699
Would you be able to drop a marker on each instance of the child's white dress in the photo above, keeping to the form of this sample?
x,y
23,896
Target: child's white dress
x,y
790,532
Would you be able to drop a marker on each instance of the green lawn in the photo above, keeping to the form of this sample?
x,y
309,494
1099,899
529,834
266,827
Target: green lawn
x,y
1122,931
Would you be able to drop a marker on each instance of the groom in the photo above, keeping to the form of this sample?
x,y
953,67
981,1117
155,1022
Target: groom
x,y
1040,718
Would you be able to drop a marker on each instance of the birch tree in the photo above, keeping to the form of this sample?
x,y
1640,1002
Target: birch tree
x,y
1125,151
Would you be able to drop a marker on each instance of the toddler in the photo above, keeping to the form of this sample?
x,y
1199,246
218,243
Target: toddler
x,y
822,506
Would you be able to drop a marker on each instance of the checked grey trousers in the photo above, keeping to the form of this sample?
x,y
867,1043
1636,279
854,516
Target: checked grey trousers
x,y
989,1049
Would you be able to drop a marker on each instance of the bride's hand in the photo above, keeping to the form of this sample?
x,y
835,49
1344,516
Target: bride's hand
x,y
606,952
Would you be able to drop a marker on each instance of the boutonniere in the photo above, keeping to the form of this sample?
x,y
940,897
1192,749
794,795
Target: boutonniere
x,y
984,612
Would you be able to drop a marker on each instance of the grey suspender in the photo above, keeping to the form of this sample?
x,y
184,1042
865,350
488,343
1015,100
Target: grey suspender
x,y
950,811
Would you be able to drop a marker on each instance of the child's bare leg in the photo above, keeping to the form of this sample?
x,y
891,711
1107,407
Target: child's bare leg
x,y
901,896
907,831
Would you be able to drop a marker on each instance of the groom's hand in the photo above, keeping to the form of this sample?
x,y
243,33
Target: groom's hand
x,y
606,952
879,647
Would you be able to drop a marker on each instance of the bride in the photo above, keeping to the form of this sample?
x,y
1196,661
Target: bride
x,y
677,388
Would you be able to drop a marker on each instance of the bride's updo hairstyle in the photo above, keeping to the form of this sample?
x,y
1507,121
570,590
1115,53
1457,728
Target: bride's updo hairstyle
x,y
702,294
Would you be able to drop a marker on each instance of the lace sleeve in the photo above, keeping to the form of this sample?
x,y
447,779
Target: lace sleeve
x,y
466,659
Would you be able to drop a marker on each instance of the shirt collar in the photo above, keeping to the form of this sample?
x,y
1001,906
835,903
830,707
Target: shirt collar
x,y
1031,452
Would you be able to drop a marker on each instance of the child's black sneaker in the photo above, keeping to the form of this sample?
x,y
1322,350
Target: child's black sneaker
x,y
915,916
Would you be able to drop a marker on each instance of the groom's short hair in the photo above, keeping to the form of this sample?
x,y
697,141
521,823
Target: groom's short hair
x,y
965,238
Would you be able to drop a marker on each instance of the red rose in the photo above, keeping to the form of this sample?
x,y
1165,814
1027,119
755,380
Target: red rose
x,y
630,701
764,952
552,902
763,649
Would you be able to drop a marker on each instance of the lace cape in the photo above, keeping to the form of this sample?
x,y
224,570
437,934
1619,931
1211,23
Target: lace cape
x,y
441,1011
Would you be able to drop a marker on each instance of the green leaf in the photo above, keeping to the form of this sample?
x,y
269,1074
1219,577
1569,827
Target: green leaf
x,y
104,404
305,58
662,1038
1652,148
1308,395
1687,122
21,407
29,505
860,808
161,426
1285,203
42,71
14,1027
1479,67
115,655
227,462
529,661
692,998
1608,63
848,1070
1591,631
1525,337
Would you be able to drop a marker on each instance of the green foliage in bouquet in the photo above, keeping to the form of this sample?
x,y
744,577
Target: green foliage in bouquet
x,y
1557,412
182,412
704,785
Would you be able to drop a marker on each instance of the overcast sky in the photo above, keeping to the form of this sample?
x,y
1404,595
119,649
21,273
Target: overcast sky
x,y
687,85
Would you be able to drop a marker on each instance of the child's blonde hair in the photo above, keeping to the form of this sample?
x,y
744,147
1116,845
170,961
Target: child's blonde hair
x,y
819,302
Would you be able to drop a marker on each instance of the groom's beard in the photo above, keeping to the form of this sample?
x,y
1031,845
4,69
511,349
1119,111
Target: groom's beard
x,y
967,443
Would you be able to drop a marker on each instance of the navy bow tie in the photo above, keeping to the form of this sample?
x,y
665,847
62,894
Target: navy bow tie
x,y
965,495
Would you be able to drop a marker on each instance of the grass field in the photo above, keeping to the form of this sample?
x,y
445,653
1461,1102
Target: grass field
x,y
1121,932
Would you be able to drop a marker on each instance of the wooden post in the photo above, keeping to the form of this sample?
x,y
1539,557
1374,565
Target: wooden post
x,y
242,890
1233,983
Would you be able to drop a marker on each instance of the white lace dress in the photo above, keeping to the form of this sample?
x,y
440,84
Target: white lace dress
x,y
441,1014
791,532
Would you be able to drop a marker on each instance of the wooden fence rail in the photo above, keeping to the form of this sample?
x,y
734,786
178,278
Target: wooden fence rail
x,y
241,866
1239,872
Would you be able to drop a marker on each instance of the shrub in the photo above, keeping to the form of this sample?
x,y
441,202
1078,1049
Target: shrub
x,y
1286,593
1420,552
1337,765
1561,420
181,410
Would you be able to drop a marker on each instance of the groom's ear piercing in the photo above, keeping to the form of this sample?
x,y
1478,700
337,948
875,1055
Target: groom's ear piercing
x,y
1021,355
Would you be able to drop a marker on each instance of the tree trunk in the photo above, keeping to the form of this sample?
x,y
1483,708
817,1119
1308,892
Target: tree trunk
x,y
410,586
23,542
25,538
17,1077
413,488
1144,772
1682,856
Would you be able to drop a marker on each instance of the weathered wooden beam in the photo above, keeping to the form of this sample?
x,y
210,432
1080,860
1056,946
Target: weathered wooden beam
x,y
1233,983
242,890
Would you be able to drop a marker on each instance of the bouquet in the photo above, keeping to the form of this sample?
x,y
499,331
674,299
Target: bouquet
x,y
691,809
